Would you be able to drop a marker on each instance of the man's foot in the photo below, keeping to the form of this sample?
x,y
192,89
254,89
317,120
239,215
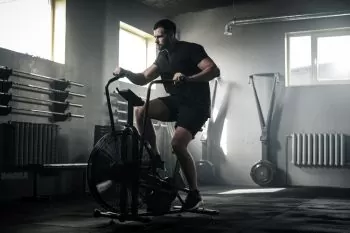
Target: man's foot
x,y
193,200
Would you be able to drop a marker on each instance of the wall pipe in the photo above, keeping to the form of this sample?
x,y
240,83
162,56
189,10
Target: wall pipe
x,y
286,18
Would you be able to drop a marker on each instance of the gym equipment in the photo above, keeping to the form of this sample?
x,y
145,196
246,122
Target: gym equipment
x,y
123,178
6,85
205,168
5,110
10,95
5,98
263,172
5,72
33,148
37,170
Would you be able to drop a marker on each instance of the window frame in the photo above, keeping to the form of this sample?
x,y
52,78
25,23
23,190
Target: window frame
x,y
56,39
58,47
314,34
148,39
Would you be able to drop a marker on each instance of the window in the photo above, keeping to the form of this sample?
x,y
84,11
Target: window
x,y
59,31
137,49
34,27
318,57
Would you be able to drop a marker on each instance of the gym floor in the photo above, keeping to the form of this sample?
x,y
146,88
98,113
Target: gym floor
x,y
293,210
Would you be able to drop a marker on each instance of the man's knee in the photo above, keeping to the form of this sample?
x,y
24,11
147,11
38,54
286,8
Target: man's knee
x,y
180,140
178,146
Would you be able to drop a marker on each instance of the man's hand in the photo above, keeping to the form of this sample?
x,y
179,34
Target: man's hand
x,y
138,78
118,71
179,78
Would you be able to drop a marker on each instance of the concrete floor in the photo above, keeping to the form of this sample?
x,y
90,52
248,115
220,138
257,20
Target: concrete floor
x,y
294,210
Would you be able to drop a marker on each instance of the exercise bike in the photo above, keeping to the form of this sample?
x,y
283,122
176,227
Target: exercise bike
x,y
124,162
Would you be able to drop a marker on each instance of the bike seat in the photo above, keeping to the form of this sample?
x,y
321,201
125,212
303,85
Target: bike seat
x,y
131,97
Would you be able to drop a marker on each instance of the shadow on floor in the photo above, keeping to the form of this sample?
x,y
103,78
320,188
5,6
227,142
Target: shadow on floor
x,y
289,210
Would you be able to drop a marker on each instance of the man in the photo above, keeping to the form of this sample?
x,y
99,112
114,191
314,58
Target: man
x,y
188,103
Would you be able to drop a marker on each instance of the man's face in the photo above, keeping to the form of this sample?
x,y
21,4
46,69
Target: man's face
x,y
162,39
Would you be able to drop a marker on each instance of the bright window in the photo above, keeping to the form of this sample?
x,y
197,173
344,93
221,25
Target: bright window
x,y
137,49
34,27
318,57
333,56
59,31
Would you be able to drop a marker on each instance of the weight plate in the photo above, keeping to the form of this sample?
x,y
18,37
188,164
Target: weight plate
x,y
263,173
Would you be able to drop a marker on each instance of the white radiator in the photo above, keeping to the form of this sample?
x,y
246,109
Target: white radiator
x,y
318,149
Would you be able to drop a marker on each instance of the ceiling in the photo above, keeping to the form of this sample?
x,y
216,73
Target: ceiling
x,y
176,7
172,8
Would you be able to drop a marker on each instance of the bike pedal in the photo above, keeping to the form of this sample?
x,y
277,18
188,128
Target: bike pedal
x,y
159,164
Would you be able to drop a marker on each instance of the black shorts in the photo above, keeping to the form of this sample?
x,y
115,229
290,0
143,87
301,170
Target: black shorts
x,y
185,115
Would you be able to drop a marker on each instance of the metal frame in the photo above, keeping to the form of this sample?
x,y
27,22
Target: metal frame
x,y
135,216
265,125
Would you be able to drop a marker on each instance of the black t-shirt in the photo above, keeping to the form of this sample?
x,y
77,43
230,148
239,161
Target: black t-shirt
x,y
184,58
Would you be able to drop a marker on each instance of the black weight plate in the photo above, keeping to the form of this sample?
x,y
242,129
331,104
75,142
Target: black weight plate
x,y
263,173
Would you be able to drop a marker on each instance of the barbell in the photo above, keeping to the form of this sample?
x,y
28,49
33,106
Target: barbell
x,y
6,85
5,110
6,72
9,96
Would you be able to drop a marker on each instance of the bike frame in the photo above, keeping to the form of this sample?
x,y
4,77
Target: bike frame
x,y
137,152
136,155
145,117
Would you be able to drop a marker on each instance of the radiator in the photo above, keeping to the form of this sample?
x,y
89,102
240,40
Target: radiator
x,y
31,143
318,149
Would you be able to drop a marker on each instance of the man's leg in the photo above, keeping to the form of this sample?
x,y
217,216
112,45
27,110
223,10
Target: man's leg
x,y
180,141
157,110
189,122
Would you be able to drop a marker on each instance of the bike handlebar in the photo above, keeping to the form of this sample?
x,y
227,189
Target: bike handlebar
x,y
115,78
146,106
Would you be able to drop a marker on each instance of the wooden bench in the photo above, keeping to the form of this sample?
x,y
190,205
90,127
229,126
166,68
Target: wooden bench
x,y
51,169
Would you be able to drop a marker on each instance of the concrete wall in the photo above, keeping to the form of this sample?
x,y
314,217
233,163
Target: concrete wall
x,y
91,56
261,48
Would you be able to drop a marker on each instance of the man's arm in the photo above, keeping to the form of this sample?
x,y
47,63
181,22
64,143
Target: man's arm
x,y
209,71
143,78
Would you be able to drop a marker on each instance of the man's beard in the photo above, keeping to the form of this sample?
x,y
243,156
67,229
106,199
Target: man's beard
x,y
164,46
161,47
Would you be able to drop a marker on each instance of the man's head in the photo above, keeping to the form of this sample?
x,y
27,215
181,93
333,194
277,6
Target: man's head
x,y
164,32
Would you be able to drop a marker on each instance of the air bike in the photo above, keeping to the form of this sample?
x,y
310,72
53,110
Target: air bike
x,y
124,161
